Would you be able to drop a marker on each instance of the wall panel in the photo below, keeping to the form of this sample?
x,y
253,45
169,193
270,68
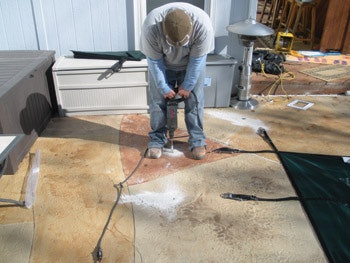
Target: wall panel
x,y
99,25
82,25
17,28
64,25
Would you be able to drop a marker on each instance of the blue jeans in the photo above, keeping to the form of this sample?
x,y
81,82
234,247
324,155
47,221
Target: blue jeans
x,y
193,111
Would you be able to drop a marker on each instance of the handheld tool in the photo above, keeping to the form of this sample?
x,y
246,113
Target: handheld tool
x,y
171,113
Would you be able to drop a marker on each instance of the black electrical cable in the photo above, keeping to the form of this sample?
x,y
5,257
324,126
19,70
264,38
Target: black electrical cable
x,y
135,169
119,187
99,254
244,197
233,150
262,132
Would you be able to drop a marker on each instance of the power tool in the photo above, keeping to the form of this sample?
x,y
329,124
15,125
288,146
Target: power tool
x,y
171,114
284,42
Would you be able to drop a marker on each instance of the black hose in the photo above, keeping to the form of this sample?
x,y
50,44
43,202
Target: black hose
x,y
244,197
119,187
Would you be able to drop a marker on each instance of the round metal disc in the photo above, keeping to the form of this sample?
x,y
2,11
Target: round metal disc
x,y
250,27
250,104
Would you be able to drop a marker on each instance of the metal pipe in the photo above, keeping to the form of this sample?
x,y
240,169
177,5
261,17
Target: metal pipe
x,y
248,30
245,82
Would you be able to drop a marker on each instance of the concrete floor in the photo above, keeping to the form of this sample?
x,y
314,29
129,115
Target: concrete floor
x,y
170,209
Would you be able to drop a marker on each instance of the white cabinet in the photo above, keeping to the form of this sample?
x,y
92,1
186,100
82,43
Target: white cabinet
x,y
88,87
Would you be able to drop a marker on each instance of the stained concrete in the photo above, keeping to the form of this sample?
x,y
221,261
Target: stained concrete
x,y
297,83
170,209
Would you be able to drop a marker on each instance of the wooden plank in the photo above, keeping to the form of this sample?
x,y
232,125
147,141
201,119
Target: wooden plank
x,y
346,44
335,25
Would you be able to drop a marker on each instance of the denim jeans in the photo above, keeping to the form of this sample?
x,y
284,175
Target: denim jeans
x,y
193,111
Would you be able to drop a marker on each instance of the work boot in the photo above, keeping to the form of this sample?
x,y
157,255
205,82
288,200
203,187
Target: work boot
x,y
198,152
154,153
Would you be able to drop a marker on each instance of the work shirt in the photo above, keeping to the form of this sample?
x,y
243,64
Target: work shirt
x,y
163,56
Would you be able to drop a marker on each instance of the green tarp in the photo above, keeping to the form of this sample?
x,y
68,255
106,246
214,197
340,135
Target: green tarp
x,y
134,55
323,186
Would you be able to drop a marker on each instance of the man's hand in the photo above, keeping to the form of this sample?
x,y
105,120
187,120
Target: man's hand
x,y
183,93
170,95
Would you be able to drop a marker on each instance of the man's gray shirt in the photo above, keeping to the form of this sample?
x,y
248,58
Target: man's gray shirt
x,y
153,41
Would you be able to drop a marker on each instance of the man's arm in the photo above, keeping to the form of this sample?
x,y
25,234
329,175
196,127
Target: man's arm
x,y
157,70
194,69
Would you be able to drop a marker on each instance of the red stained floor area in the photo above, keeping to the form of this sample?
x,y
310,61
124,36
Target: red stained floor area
x,y
133,144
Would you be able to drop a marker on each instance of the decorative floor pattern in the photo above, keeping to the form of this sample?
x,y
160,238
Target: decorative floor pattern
x,y
134,139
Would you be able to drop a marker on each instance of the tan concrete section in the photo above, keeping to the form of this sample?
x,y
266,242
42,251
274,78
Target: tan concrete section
x,y
80,162
13,187
324,128
179,214
16,242
80,165
16,223
182,218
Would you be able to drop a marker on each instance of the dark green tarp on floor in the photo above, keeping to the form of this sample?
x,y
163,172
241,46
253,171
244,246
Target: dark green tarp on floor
x,y
325,180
